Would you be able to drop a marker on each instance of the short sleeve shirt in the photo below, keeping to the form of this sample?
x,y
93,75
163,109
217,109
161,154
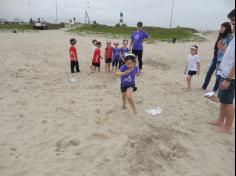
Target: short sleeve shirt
x,y
138,37
128,80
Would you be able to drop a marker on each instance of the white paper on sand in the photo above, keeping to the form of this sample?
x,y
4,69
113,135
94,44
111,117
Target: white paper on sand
x,y
72,80
209,94
154,111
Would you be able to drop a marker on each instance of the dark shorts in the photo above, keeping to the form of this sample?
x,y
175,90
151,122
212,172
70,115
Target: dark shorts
x,y
96,64
191,73
108,60
115,63
227,96
125,88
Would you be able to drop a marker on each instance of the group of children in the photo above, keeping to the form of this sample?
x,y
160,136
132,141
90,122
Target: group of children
x,y
124,65
122,62
114,56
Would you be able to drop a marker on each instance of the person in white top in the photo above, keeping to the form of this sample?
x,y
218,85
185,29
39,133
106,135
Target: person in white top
x,y
193,65
227,86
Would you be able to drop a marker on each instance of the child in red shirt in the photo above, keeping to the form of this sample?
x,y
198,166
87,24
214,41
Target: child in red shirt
x,y
74,63
108,56
97,57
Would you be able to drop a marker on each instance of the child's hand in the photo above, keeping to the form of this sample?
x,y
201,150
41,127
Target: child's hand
x,y
127,72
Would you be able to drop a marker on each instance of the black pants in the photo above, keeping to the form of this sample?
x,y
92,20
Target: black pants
x,y
210,73
139,54
74,65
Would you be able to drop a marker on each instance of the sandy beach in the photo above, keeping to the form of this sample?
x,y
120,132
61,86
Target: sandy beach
x,y
49,126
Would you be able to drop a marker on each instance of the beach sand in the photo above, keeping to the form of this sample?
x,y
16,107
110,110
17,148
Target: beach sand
x,y
50,126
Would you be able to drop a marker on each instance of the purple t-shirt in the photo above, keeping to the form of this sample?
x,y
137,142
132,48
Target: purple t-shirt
x,y
116,54
124,51
138,37
128,80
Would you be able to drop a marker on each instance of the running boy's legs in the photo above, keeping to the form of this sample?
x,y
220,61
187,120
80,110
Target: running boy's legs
x,y
129,95
124,100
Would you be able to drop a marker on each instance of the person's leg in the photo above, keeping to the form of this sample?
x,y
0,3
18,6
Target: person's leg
x,y
72,67
217,84
229,119
129,95
77,66
140,60
220,121
210,73
124,100
113,65
106,67
109,67
116,65
189,81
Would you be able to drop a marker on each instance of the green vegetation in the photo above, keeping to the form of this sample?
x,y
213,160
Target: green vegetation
x,y
26,27
156,33
18,27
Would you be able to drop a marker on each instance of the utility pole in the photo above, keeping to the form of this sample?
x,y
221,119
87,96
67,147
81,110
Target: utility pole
x,y
172,13
56,13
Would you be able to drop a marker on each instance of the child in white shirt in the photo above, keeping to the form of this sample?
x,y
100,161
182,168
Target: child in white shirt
x,y
193,65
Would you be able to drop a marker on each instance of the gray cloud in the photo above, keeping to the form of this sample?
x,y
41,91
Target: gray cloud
x,y
200,14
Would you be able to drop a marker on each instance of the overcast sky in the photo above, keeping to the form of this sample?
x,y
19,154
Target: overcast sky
x,y
200,14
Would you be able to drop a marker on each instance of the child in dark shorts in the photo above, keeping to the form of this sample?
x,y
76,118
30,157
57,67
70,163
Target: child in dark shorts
x,y
128,73
74,63
193,65
123,51
116,60
97,58
108,56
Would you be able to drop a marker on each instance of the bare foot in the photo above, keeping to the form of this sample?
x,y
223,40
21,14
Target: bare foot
x,y
124,107
216,123
225,130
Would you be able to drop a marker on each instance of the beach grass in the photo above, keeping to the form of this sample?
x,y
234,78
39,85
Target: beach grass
x,y
156,33
26,27
18,27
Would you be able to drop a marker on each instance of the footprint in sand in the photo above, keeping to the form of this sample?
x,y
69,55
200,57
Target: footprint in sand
x,y
66,142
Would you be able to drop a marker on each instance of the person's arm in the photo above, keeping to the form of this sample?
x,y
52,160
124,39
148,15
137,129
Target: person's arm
x,y
186,67
198,68
122,58
131,44
73,54
146,37
119,73
226,83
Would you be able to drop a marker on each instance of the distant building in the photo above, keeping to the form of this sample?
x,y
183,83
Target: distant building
x,y
121,18
2,21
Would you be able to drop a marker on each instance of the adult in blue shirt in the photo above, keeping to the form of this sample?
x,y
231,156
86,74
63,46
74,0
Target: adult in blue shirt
x,y
137,39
